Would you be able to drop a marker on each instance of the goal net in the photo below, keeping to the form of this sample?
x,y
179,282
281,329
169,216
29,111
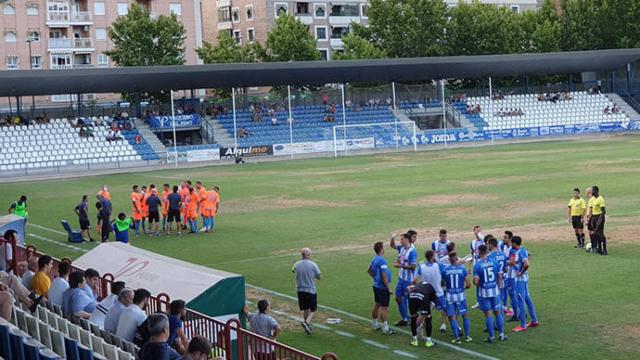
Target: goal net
x,y
362,137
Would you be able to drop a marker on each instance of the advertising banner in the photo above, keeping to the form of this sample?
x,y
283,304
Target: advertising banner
x,y
246,151
182,121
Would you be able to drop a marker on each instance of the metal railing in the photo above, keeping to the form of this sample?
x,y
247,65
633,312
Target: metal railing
x,y
249,346
68,16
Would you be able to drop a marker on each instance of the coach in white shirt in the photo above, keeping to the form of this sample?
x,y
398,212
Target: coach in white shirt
x,y
133,316
125,298
107,303
59,284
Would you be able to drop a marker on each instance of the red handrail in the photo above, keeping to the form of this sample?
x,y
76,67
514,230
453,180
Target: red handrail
x,y
219,333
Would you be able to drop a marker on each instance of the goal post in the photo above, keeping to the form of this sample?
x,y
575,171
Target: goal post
x,y
354,137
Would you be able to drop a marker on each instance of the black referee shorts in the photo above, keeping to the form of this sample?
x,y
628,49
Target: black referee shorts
x,y
84,224
307,301
173,215
593,224
419,306
154,216
577,223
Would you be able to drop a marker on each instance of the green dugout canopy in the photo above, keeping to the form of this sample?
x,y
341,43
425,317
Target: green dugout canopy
x,y
212,292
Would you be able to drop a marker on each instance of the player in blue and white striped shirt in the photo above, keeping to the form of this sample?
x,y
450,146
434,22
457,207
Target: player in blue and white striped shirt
x,y
487,278
521,263
456,281
509,278
406,263
440,246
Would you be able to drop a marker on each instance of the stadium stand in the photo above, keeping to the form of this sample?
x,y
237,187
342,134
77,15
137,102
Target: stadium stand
x,y
516,111
58,144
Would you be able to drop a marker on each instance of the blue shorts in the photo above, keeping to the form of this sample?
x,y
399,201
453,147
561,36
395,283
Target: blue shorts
x,y
401,288
457,308
490,303
441,303
510,283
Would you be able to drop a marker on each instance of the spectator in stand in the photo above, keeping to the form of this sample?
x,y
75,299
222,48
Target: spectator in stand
x,y
156,348
274,120
40,283
75,301
606,110
199,349
325,99
133,316
125,299
114,134
6,302
59,284
23,294
82,210
177,312
264,325
106,304
92,278
32,267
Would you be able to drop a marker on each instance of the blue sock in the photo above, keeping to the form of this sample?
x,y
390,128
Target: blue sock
x,y
404,312
503,297
500,320
522,312
164,223
454,328
514,304
195,225
137,227
532,310
489,323
143,226
466,324
212,223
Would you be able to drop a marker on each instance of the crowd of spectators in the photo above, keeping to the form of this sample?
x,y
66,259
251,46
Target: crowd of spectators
x,y
554,97
17,120
611,110
594,90
474,109
509,112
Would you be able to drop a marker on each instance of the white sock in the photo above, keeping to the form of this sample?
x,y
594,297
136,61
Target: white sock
x,y
428,339
385,326
374,323
415,338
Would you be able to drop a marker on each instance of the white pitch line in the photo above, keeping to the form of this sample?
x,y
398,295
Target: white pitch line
x,y
46,228
375,343
361,318
345,334
58,243
405,354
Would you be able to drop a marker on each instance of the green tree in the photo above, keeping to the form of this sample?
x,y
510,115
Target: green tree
x,y
406,28
540,30
356,48
290,40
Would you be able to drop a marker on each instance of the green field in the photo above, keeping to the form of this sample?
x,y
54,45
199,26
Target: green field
x,y
587,304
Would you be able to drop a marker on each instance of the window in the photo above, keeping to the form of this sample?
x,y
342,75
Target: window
x,y
238,36
321,33
123,9
515,8
36,62
249,11
324,54
281,9
32,10
101,34
363,10
224,14
235,15
13,62
10,36
9,10
320,12
103,60
98,8
251,35
175,9
33,35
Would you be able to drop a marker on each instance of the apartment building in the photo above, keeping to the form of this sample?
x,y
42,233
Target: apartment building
x,y
67,34
514,5
252,20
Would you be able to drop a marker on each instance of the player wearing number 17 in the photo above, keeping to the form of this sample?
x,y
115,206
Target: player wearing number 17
x,y
487,278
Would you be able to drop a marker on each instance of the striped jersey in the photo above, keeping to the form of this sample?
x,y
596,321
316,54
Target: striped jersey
x,y
475,245
453,277
430,273
499,258
486,271
407,257
440,248
521,255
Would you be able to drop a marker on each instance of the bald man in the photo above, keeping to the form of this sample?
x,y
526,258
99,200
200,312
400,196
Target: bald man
x,y
307,272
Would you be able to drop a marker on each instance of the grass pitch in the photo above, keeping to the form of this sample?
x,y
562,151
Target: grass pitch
x,y
588,305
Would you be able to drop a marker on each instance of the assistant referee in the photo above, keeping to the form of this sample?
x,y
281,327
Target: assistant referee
x,y
577,208
598,212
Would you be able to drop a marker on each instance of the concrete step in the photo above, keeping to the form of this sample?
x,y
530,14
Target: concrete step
x,y
220,134
150,137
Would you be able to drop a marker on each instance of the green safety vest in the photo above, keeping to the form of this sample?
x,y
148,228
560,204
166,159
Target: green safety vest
x,y
20,209
123,225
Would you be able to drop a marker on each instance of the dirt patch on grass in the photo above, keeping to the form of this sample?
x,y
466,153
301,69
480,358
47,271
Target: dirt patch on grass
x,y
495,181
331,186
352,248
279,203
442,199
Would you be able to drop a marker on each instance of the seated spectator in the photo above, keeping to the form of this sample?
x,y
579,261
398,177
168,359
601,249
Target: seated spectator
x,y
114,134
6,302
177,312
264,325
156,348
199,349
274,121
32,267
615,109
19,291
133,316
60,284
125,298
92,278
40,283
606,110
106,304
76,303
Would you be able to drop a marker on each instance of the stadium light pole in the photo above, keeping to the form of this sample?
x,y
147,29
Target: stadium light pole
x,y
173,122
235,130
490,107
290,121
344,119
444,112
395,118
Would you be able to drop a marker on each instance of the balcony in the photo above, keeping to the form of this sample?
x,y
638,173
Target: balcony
x,y
77,44
67,18
305,18
336,43
61,67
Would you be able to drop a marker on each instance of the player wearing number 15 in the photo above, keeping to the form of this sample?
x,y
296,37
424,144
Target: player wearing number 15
x,y
487,278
